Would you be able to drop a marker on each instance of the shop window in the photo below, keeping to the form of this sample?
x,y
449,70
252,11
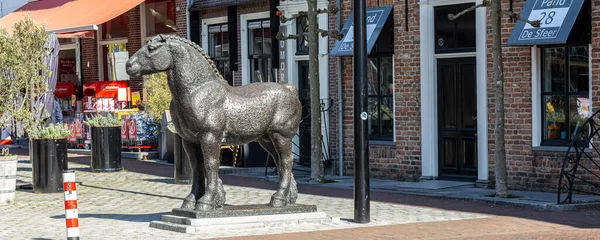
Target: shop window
x,y
260,51
457,35
565,92
302,41
380,86
159,17
115,57
115,28
67,66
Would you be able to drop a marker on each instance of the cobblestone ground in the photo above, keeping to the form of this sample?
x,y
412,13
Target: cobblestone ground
x,y
120,206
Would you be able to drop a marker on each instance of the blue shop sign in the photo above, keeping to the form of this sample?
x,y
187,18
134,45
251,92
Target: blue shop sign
x,y
556,17
376,18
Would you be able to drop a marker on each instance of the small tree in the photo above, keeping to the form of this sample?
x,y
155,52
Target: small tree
x,y
498,78
317,168
22,75
159,99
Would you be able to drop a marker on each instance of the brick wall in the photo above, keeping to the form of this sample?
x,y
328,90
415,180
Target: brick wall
x,y
134,42
402,160
241,9
180,18
89,59
528,169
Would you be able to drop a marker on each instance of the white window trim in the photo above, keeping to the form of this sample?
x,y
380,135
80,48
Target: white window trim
x,y
68,46
204,32
429,128
536,93
290,8
244,19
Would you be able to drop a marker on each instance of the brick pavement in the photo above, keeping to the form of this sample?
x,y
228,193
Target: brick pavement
x,y
120,205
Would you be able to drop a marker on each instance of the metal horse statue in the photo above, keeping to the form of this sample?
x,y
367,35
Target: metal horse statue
x,y
208,112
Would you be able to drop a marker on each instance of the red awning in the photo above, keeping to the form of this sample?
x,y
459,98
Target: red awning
x,y
70,18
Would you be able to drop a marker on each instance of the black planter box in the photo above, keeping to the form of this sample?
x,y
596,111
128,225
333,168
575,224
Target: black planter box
x,y
106,149
48,160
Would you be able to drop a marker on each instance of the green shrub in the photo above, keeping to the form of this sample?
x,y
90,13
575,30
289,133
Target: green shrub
x,y
103,121
52,131
159,95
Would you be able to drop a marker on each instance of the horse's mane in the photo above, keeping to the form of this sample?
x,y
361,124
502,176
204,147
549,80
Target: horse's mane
x,y
162,38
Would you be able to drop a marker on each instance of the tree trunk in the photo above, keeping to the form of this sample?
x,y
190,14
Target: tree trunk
x,y
317,172
500,151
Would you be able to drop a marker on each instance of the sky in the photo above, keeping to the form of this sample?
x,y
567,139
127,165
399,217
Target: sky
x,y
10,5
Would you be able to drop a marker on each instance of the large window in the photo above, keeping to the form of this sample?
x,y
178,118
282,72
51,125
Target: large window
x,y
380,86
260,51
115,28
218,49
159,17
565,92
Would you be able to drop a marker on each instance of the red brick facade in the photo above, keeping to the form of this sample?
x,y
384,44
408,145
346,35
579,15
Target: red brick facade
x,y
402,159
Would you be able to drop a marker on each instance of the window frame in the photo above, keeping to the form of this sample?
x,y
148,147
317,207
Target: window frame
x,y
221,62
566,93
380,97
265,58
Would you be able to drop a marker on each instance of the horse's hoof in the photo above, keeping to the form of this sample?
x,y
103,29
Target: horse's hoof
x,y
203,207
189,202
277,202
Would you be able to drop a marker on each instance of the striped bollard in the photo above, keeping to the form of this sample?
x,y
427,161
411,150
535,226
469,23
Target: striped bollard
x,y
71,217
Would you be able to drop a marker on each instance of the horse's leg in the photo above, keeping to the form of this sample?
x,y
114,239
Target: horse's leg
x,y
214,197
194,153
292,193
284,195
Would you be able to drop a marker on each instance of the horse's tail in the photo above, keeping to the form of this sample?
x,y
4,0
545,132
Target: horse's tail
x,y
292,88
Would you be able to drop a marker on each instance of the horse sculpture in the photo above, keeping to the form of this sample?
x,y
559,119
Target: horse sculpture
x,y
207,112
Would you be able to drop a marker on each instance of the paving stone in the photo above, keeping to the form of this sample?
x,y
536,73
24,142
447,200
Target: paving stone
x,y
122,205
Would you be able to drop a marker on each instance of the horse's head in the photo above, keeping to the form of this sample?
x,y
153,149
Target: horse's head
x,y
155,56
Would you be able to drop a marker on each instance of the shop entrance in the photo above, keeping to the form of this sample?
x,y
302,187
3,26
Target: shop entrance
x,y
457,117
304,131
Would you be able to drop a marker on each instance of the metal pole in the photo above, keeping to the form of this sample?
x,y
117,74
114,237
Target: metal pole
x,y
361,144
71,216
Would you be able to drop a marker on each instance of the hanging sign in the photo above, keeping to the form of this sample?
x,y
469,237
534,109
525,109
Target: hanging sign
x,y
124,130
282,52
556,20
376,18
78,128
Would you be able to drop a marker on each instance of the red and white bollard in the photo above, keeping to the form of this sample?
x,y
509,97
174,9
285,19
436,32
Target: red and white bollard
x,y
72,219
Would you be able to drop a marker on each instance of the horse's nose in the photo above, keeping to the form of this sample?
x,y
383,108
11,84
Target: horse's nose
x,y
130,62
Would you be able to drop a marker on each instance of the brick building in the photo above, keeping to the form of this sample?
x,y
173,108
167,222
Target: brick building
x,y
431,110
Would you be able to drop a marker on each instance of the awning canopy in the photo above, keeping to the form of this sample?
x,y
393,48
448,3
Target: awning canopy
x,y
70,18
556,17
376,18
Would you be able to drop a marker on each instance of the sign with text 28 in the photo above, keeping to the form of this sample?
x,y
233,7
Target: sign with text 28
x,y
556,20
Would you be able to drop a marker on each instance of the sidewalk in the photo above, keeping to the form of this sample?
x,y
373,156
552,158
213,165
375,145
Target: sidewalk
x,y
449,190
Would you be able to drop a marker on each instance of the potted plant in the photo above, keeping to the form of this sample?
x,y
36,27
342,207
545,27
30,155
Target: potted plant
x,y
555,121
49,157
24,91
8,174
106,143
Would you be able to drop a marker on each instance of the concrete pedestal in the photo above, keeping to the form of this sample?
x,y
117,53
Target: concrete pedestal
x,y
239,217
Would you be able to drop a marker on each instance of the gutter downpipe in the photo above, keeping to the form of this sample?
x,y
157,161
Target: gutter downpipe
x,y
187,18
340,100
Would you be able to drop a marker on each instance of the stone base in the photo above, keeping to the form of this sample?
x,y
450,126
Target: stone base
x,y
239,217
244,210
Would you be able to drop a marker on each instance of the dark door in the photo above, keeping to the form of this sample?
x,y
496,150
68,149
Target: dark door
x,y
304,131
457,117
